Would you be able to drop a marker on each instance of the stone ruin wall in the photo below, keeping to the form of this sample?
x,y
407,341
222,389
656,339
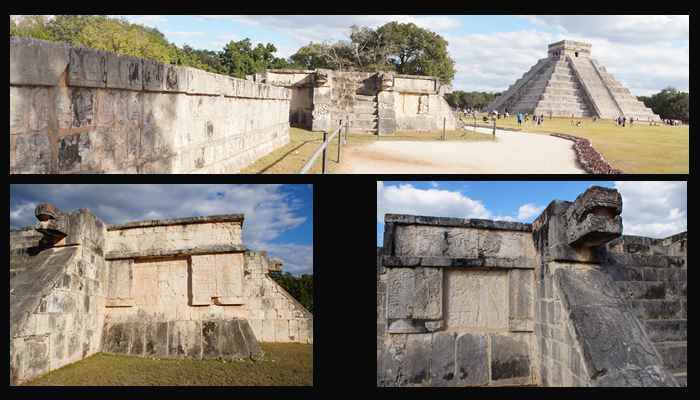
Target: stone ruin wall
x,y
81,110
565,301
167,288
379,103
456,306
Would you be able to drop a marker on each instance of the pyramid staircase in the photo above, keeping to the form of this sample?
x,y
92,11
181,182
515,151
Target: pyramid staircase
x,y
550,88
654,287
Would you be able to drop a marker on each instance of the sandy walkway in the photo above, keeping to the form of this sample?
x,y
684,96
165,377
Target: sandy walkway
x,y
512,152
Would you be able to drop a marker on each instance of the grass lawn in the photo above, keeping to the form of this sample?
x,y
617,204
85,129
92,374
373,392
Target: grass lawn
x,y
636,150
287,364
302,144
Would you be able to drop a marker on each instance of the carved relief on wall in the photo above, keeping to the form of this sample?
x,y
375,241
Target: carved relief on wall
x,y
423,104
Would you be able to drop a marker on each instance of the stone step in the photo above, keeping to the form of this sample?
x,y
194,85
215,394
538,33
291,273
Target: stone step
x,y
655,309
364,107
674,354
681,377
665,330
361,97
642,289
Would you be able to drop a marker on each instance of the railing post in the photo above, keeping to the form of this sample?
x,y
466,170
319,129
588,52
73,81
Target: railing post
x,y
340,136
494,127
347,128
323,162
444,121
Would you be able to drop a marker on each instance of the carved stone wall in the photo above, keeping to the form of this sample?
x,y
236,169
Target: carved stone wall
x,y
78,110
566,301
183,287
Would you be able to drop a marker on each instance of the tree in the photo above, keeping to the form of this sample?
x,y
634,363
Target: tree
x,y
311,56
240,58
33,26
461,99
669,104
417,51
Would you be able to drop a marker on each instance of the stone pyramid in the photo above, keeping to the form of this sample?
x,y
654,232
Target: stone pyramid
x,y
570,82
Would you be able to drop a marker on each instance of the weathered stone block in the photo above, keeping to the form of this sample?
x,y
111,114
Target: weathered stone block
x,y
116,338
442,365
472,361
153,76
32,153
184,339
521,299
87,67
37,62
510,359
210,339
476,299
156,339
414,293
124,72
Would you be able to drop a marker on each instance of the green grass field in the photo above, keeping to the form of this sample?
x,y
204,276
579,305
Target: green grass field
x,y
285,364
635,150
302,144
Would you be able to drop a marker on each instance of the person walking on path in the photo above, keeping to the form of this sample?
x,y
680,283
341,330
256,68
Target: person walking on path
x,y
519,116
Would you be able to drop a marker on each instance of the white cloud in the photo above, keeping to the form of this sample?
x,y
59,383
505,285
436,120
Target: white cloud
x,y
184,34
22,212
645,53
407,199
631,29
529,210
655,209
269,210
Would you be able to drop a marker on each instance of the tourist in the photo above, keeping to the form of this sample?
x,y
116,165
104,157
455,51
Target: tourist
x,y
519,117
578,124
542,117
631,121
624,121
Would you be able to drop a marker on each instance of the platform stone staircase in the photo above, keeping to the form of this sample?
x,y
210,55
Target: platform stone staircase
x,y
655,289
364,117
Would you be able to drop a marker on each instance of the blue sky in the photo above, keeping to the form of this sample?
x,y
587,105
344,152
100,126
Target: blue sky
x,y
278,218
645,52
656,209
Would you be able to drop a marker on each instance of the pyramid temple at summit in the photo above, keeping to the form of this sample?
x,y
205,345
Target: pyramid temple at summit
x,y
569,82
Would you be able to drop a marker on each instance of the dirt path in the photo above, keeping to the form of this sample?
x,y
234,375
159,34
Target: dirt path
x,y
515,153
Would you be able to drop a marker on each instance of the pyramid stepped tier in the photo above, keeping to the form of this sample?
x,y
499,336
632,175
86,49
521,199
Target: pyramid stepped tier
x,y
631,107
504,97
570,83
603,101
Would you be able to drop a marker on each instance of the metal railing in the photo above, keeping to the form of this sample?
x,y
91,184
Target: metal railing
x,y
321,151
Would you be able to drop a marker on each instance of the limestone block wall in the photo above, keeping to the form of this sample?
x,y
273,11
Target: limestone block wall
x,y
455,302
190,271
378,103
57,298
80,110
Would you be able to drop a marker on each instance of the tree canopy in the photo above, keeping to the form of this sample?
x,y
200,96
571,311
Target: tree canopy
x,y
403,48
461,99
669,103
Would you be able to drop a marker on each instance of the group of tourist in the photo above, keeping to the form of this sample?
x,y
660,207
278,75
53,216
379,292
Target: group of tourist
x,y
524,118
622,121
